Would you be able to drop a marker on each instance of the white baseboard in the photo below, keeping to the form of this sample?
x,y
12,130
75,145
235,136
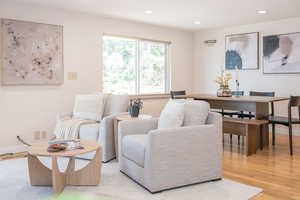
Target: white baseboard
x,y
13,149
19,148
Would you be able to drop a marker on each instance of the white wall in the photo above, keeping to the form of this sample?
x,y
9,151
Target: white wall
x,y
209,59
25,109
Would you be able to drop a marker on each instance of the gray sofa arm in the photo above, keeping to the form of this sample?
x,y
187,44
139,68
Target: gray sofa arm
x,y
175,155
136,127
106,137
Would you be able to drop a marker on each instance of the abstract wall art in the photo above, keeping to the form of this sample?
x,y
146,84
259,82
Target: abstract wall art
x,y
241,51
32,53
281,53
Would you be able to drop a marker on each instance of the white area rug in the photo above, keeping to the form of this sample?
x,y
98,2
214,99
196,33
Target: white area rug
x,y
14,185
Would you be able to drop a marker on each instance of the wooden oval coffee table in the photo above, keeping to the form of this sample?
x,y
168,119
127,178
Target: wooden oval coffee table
x,y
41,175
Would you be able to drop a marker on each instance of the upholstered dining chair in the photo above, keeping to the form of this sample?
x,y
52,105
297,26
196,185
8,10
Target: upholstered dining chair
x,y
175,94
287,121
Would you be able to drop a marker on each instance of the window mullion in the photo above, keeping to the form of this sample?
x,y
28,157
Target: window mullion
x,y
138,67
167,70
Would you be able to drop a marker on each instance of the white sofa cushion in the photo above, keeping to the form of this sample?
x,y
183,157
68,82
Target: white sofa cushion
x,y
133,148
115,104
172,115
195,112
89,107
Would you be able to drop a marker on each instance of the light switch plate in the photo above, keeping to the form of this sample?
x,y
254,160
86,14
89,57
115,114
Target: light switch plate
x,y
72,76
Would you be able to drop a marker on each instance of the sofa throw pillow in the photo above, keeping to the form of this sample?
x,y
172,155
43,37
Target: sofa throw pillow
x,y
89,107
172,115
195,112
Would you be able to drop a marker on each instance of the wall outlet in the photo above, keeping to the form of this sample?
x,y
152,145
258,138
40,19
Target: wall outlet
x,y
44,134
36,135
72,76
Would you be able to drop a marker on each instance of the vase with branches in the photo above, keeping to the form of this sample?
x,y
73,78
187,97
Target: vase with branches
x,y
223,81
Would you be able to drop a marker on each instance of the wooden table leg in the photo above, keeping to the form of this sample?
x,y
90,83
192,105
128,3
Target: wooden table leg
x,y
39,174
89,175
262,112
252,132
58,178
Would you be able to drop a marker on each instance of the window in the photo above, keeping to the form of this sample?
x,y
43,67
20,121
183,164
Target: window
x,y
135,66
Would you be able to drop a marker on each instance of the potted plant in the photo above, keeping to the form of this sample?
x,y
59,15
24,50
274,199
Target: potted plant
x,y
134,107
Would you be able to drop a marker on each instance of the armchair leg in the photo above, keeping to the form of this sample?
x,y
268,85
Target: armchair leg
x,y
291,139
273,134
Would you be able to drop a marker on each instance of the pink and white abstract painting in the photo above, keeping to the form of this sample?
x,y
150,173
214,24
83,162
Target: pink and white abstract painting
x,y
32,53
282,54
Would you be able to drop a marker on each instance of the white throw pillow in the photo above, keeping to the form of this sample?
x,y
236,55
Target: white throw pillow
x,y
89,107
195,112
172,115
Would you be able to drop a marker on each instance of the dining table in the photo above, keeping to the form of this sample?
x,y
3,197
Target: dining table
x,y
258,105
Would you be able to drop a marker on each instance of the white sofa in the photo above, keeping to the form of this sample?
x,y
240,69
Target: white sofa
x,y
161,159
103,131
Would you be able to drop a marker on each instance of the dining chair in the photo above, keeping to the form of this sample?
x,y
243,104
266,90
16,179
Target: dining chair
x,y
177,93
287,121
233,113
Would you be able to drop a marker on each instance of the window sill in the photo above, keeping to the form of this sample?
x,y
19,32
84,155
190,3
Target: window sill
x,y
150,96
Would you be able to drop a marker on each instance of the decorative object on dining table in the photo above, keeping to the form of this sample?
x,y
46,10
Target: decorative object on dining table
x,y
223,80
281,54
237,81
242,51
134,107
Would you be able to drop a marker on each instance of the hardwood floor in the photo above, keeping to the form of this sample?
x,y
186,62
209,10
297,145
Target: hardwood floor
x,y
11,156
271,169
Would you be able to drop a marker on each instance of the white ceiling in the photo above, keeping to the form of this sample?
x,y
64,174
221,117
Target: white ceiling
x,y
182,13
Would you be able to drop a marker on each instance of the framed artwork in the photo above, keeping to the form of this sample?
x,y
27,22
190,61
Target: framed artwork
x,y
281,54
241,51
32,53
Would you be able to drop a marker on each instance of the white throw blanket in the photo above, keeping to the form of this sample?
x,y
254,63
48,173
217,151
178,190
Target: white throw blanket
x,y
68,128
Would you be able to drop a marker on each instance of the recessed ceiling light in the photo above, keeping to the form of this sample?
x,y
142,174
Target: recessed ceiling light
x,y
148,12
197,22
261,12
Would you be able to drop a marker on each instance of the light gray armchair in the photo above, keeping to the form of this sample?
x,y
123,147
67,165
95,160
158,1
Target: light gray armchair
x,y
161,159
103,131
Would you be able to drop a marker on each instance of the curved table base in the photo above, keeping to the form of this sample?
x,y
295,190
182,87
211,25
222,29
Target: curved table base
x,y
40,175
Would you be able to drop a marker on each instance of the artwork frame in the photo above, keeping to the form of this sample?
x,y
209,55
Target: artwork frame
x,y
47,61
265,63
231,52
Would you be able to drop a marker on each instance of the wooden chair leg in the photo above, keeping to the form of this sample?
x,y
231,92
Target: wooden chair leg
x,y
291,139
273,134
261,130
239,137
230,138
